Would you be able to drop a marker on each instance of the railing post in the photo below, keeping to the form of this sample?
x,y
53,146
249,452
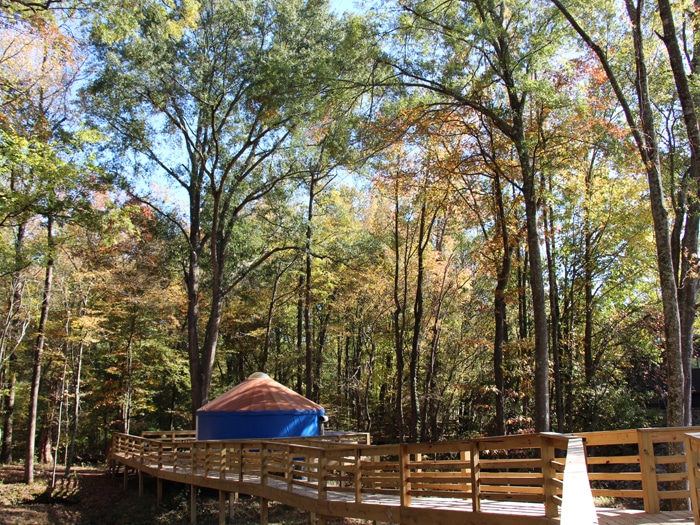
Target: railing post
x,y
207,458
322,488
404,471
647,464
289,469
263,466
551,509
358,475
476,477
223,451
193,458
464,457
240,463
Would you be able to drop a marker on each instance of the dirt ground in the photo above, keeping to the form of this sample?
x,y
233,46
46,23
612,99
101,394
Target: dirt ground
x,y
93,496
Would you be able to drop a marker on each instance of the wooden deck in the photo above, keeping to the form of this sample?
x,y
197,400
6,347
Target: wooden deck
x,y
534,480
639,517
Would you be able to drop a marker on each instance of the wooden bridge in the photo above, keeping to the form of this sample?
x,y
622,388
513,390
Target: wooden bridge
x,y
519,480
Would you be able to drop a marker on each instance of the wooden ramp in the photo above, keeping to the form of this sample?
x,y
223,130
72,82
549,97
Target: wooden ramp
x,y
512,480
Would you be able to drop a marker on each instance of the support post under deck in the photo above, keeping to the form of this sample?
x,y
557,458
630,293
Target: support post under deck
x,y
264,517
193,505
232,500
222,507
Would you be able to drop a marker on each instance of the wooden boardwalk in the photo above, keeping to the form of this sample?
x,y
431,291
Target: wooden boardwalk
x,y
437,484
639,517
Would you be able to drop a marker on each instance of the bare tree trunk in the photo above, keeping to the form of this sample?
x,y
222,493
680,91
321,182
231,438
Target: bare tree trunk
x,y
645,139
417,324
399,321
499,307
9,410
555,320
688,280
128,378
38,355
268,324
76,409
13,335
300,335
320,346
308,367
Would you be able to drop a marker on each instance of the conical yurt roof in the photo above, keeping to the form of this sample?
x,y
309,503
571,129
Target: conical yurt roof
x,y
261,394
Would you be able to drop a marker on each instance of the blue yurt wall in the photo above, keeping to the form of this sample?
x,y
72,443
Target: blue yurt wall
x,y
259,407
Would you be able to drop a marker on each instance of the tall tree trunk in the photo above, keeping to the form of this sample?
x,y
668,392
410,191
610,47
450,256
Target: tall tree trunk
x,y
38,356
431,404
539,303
16,328
192,281
77,373
645,139
688,290
669,294
588,262
399,320
417,324
300,335
523,270
318,358
268,324
499,307
309,364
554,314
9,410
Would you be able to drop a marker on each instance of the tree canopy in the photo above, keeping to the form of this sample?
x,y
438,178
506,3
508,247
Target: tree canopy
x,y
437,219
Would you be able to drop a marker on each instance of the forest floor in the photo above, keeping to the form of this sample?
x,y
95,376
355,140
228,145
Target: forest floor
x,y
94,496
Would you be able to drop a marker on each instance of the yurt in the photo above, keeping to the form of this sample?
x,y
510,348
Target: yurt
x,y
259,407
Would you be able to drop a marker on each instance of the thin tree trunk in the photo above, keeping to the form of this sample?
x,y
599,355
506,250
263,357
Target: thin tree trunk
x,y
76,409
554,314
308,367
9,411
300,335
60,424
318,358
417,324
399,320
645,139
38,355
17,329
688,280
499,308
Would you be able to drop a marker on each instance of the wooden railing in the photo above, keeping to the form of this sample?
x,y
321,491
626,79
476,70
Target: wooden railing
x,y
562,472
170,435
646,463
528,468
692,444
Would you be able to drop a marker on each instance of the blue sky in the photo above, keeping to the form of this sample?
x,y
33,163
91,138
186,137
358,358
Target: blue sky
x,y
343,5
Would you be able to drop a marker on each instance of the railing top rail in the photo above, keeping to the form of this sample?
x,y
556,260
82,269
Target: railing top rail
x,y
146,433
